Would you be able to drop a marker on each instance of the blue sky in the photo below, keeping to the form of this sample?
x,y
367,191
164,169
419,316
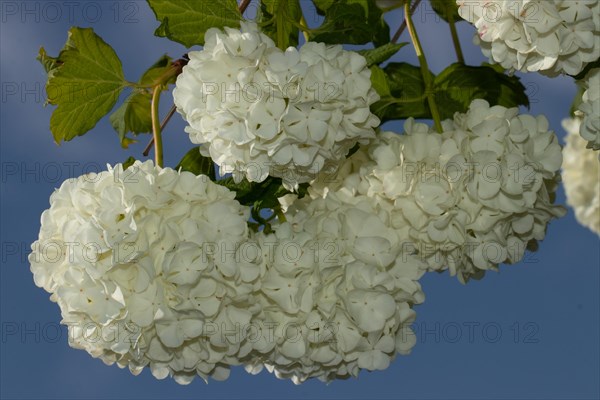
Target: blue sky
x,y
530,331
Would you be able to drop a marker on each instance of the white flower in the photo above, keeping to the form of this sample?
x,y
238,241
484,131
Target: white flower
x,y
142,262
338,291
464,200
581,177
589,109
263,111
550,36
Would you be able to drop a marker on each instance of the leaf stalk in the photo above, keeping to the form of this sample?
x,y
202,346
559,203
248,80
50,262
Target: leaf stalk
x,y
424,67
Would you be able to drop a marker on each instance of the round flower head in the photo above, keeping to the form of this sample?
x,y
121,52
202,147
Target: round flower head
x,y
468,199
589,109
338,291
581,177
144,263
550,36
263,111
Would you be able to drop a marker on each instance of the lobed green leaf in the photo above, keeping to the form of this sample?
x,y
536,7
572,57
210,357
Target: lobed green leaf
x,y
382,53
84,82
197,164
447,9
186,21
134,115
280,20
403,96
458,85
352,22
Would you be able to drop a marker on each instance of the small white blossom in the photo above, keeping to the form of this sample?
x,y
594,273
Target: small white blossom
x,y
589,109
263,111
338,291
141,261
467,199
550,36
581,177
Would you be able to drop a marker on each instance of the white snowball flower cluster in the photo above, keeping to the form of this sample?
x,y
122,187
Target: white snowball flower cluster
x,y
581,177
338,291
470,198
589,109
144,263
550,36
264,111
155,268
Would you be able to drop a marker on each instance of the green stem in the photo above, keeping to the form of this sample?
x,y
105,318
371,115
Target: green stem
x,y
403,24
455,39
175,70
164,123
280,215
156,131
304,27
424,67
280,19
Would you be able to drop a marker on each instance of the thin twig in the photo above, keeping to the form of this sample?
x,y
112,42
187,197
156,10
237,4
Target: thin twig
x,y
164,123
403,25
455,40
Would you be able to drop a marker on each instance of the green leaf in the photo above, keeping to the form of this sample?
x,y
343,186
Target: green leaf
x,y
447,9
128,163
406,80
260,195
458,85
577,100
50,64
84,81
406,94
352,22
579,80
382,53
197,164
588,68
243,190
380,82
133,116
323,5
186,21
283,17
156,71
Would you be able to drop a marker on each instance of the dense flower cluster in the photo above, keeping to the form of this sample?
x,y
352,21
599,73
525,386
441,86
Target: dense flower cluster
x,y
134,260
590,109
581,176
550,36
264,111
153,267
339,289
470,198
